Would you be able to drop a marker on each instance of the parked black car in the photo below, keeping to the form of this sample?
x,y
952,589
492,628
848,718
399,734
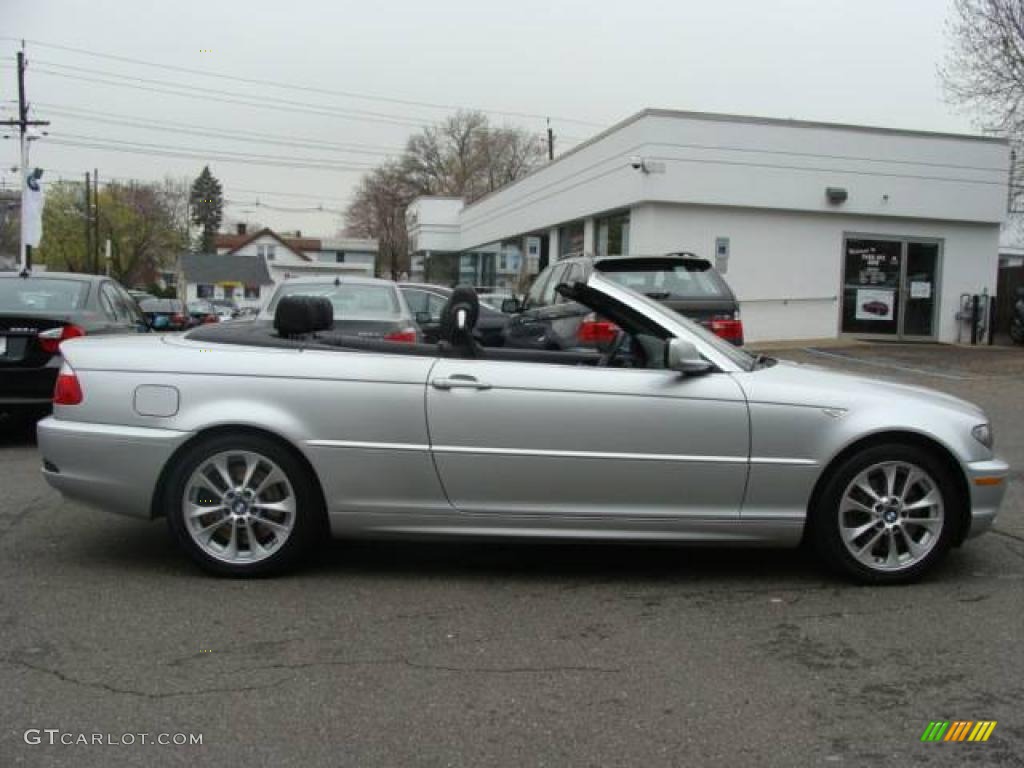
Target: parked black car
x,y
426,303
40,311
165,314
682,281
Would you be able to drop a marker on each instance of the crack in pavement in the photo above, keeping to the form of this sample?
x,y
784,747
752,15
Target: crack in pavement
x,y
34,504
99,685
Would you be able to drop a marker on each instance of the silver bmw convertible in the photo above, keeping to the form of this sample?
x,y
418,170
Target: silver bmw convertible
x,y
257,440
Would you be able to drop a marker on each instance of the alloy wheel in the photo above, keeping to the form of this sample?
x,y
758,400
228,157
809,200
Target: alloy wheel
x,y
891,515
239,507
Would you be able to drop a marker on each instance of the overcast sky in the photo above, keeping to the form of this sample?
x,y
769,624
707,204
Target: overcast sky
x,y
587,64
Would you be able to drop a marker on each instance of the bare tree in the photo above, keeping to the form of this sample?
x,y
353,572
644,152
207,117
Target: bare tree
x,y
984,69
378,211
465,156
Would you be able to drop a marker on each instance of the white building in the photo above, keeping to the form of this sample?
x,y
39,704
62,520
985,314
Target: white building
x,y
247,266
289,255
820,229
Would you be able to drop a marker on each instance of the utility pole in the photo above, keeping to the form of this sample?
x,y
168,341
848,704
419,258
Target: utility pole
x,y
88,222
25,255
551,141
96,221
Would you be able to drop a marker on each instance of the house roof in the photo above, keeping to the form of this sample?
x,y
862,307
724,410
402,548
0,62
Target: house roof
x,y
295,244
224,268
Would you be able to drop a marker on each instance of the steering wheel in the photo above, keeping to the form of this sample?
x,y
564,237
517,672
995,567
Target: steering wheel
x,y
613,349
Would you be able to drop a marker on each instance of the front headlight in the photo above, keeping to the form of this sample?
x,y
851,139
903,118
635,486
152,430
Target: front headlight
x,y
983,434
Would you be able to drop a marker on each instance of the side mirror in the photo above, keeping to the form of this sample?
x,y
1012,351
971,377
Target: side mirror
x,y
423,318
511,306
682,356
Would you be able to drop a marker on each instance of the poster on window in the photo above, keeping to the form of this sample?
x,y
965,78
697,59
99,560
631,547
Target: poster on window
x,y
874,304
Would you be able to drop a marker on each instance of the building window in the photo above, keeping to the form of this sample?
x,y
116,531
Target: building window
x,y
612,235
270,253
570,240
204,291
229,291
252,291
261,251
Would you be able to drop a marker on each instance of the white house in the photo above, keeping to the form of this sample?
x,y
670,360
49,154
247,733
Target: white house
x,y
247,266
287,255
821,229
244,280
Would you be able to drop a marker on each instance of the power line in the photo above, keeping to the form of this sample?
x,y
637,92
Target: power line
x,y
276,105
281,208
303,163
226,153
241,135
109,179
306,88
414,120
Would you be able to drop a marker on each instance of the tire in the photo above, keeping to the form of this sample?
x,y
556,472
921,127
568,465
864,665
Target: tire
x,y
264,529
918,528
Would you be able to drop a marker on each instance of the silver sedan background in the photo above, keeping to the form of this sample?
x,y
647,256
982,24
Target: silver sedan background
x,y
254,451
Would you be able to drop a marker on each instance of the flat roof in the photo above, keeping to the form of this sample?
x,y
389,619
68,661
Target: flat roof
x,y
730,118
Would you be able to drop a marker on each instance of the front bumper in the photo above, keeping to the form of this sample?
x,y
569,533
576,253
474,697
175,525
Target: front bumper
x,y
987,482
108,466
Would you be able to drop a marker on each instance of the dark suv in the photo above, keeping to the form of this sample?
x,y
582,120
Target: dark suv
x,y
682,281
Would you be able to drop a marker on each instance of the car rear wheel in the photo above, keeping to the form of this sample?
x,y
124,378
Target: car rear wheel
x,y
887,514
242,505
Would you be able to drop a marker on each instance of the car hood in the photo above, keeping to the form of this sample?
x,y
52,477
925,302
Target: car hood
x,y
802,384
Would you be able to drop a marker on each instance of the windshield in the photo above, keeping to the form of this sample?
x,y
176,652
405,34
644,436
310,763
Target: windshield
x,y
658,310
43,295
666,278
351,301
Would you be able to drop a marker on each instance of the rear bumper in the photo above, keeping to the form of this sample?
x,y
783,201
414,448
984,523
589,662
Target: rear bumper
x,y
107,466
987,482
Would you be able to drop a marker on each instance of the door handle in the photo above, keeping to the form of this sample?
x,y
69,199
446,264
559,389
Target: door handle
x,y
459,381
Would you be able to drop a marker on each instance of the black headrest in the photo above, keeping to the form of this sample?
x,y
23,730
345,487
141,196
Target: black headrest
x,y
463,298
297,315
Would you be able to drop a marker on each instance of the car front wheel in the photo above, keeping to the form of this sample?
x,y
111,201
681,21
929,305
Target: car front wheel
x,y
887,514
242,505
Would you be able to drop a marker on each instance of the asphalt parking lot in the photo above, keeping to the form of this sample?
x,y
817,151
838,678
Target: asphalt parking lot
x,y
460,654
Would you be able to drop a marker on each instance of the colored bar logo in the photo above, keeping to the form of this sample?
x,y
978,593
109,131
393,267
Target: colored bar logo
x,y
958,730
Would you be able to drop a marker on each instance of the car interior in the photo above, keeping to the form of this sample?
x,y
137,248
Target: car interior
x,y
307,322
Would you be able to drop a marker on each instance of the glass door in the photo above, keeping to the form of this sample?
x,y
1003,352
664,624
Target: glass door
x,y
871,287
890,287
919,290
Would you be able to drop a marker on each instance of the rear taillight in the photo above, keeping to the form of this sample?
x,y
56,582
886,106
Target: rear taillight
x,y
178,319
407,336
50,340
595,331
67,391
728,328
210,319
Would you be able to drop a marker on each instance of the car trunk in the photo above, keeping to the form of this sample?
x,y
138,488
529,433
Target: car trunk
x,y
19,340
369,329
26,369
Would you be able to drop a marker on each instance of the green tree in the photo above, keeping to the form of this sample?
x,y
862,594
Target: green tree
x,y
141,221
207,204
